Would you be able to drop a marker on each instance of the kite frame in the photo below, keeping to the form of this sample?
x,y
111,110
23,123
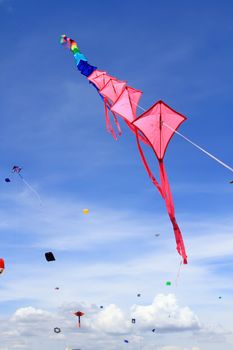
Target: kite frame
x,y
142,115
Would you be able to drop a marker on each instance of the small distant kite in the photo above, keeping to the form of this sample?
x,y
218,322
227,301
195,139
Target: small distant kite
x,y
49,256
2,265
56,288
17,170
168,283
153,330
85,211
126,341
79,314
133,320
157,235
57,330
231,182
101,307
138,295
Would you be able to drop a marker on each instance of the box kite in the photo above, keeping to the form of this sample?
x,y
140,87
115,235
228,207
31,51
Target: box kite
x,y
49,256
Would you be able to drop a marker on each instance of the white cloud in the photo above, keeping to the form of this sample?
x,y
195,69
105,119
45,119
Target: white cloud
x,y
165,315
29,325
111,320
30,314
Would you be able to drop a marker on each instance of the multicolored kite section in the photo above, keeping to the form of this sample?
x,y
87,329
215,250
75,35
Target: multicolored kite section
x,y
155,127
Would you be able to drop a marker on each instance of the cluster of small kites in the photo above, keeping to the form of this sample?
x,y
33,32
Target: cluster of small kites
x,y
154,128
49,256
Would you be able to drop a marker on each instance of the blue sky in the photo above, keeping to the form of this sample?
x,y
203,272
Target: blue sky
x,y
52,124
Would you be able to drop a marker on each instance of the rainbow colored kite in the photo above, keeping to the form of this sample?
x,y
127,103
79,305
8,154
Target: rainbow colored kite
x,y
155,127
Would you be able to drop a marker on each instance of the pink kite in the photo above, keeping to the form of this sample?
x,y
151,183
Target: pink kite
x,y
111,91
126,107
118,98
158,124
109,88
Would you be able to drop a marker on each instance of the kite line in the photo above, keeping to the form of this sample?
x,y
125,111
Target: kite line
x,y
194,144
31,189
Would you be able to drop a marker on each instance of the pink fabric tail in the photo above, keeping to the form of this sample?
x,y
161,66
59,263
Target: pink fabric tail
x,y
171,211
117,124
151,176
108,122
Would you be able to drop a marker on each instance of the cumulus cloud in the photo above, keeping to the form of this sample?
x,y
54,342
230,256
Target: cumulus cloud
x,y
26,324
29,326
106,328
165,315
111,320
30,314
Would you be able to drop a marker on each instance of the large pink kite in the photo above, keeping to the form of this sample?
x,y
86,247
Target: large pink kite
x,y
158,125
155,127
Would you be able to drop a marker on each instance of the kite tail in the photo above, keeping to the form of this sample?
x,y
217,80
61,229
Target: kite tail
x,y
117,124
79,323
166,189
151,176
171,211
31,188
81,61
108,122
179,240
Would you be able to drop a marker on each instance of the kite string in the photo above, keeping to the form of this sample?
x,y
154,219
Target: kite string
x,y
31,188
200,148
178,273
194,144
